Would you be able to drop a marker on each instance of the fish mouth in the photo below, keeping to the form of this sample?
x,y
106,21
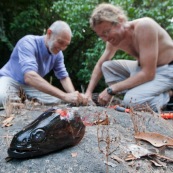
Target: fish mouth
x,y
22,153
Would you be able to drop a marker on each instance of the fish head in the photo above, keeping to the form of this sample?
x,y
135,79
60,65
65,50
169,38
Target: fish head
x,y
53,130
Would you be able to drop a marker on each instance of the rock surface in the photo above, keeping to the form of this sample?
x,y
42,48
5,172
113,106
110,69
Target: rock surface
x,y
101,143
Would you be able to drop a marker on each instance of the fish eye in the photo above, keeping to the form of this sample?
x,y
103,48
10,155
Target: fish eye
x,y
38,135
24,141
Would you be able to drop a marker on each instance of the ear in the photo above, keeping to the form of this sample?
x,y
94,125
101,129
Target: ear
x,y
121,19
49,32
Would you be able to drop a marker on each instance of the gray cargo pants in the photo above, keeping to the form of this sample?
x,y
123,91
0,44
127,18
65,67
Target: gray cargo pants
x,y
154,93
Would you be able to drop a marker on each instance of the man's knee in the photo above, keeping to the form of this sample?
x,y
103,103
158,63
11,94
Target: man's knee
x,y
106,66
3,99
127,100
133,100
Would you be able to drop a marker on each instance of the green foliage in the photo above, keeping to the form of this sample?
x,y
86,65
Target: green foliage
x,y
161,11
91,59
4,39
76,14
31,16
19,18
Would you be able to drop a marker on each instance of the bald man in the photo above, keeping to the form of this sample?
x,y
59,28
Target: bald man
x,y
32,58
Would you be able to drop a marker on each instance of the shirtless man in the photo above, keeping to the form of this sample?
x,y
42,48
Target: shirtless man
x,y
147,80
32,58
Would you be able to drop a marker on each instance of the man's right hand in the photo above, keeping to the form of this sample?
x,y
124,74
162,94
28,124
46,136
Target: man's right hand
x,y
90,102
73,97
78,98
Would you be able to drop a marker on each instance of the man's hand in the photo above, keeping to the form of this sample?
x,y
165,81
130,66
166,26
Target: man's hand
x,y
88,100
84,99
104,97
76,98
73,97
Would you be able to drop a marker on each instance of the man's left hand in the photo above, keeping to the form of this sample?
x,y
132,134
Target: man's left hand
x,y
104,97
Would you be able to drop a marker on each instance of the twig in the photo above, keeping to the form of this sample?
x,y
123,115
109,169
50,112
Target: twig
x,y
110,101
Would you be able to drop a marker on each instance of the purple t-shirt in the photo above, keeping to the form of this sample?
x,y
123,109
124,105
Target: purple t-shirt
x,y
31,54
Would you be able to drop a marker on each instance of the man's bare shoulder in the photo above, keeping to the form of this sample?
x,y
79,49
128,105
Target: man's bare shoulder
x,y
145,28
145,22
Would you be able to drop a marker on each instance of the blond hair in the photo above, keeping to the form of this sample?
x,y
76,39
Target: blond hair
x,y
107,12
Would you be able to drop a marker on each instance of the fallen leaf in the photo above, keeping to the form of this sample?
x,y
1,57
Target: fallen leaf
x,y
7,121
155,139
73,154
119,160
7,125
102,122
130,157
138,151
158,163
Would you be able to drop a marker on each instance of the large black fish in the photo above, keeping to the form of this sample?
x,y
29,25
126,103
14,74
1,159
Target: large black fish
x,y
53,130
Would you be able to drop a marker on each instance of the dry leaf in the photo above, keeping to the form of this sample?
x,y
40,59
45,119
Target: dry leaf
x,y
7,125
73,154
158,163
155,139
130,157
138,151
114,157
102,122
7,121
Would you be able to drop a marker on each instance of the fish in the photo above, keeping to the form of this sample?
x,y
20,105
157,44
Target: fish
x,y
54,130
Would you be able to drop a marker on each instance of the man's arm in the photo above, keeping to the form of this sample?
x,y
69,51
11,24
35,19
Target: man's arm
x,y
67,85
35,80
97,73
146,35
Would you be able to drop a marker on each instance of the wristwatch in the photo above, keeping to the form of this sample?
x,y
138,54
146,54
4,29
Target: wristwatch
x,y
109,91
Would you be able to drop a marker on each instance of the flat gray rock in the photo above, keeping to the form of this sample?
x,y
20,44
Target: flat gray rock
x,y
101,143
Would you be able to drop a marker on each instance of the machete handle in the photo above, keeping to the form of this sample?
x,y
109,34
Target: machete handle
x,y
120,109
167,115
